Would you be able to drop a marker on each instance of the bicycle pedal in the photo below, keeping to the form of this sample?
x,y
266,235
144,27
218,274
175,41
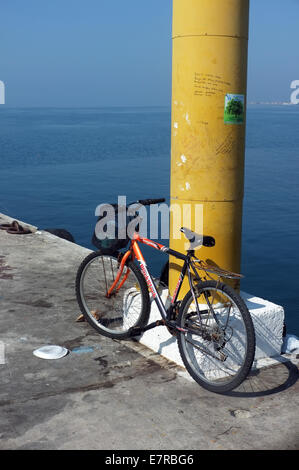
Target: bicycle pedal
x,y
135,331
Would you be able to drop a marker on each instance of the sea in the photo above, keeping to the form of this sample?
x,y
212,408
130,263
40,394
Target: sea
x,y
59,164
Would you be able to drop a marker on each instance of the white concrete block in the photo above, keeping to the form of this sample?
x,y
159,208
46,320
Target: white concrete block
x,y
268,319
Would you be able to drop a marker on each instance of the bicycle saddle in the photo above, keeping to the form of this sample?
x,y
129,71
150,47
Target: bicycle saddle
x,y
197,240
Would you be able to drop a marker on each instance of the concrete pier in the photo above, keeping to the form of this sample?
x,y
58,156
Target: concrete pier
x,y
108,394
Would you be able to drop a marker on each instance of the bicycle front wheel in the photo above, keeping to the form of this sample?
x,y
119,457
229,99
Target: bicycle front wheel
x,y
217,345
127,306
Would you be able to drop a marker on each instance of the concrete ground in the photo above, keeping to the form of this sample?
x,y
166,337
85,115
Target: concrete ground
x,y
113,395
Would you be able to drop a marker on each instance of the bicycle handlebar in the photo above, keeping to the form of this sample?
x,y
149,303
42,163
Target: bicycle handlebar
x,y
148,202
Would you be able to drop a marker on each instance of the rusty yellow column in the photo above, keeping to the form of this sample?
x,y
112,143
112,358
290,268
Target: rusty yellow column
x,y
210,40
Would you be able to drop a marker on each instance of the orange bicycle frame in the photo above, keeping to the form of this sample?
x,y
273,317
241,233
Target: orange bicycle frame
x,y
135,253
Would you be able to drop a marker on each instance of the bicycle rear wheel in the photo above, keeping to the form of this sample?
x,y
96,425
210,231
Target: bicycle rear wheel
x,y
217,346
126,307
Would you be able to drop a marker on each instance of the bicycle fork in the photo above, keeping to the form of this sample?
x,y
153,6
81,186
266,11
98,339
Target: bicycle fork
x,y
118,276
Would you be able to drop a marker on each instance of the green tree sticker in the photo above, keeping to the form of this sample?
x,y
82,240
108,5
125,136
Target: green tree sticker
x,y
234,109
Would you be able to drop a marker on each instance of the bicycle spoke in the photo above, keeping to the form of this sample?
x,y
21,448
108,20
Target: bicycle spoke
x,y
124,307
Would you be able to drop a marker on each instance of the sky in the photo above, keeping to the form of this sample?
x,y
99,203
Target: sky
x,y
118,53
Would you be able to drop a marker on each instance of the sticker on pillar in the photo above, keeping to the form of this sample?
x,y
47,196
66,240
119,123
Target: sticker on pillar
x,y
234,110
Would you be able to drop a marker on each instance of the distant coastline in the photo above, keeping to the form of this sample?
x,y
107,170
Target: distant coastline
x,y
281,103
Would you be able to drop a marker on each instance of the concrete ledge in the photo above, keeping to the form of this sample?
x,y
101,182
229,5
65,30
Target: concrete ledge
x,y
113,396
268,319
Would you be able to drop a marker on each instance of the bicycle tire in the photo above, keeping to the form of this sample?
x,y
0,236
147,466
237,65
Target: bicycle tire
x,y
127,308
218,357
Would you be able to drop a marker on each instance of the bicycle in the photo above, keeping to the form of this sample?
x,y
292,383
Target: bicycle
x,y
212,323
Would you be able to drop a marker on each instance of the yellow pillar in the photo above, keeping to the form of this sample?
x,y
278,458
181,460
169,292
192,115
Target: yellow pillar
x,y
210,39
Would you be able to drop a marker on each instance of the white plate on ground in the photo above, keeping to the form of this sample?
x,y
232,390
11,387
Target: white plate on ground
x,y
50,352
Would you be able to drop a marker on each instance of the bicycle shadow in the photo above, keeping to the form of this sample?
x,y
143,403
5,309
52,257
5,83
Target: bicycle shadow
x,y
268,380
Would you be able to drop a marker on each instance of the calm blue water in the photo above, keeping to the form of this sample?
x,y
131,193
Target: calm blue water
x,y
57,165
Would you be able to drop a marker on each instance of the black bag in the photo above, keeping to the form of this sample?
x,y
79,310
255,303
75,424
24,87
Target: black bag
x,y
110,246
